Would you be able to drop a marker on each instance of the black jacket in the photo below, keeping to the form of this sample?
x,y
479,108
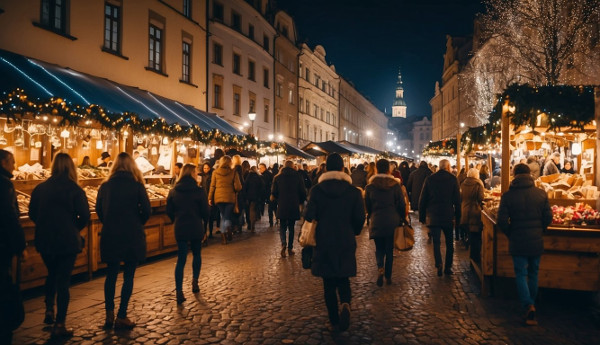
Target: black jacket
x,y
267,178
523,215
59,209
254,187
440,199
123,208
187,206
339,210
307,182
385,205
289,192
414,186
206,177
359,178
12,237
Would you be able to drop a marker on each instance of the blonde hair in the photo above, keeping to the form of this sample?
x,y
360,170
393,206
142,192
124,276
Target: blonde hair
x,y
187,170
473,172
225,162
125,162
236,160
63,165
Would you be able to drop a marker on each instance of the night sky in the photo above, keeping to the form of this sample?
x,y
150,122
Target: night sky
x,y
368,41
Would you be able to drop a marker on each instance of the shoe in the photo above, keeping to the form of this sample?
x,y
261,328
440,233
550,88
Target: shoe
x,y
223,239
110,319
180,297
211,235
530,316
283,251
229,236
380,277
60,331
291,252
388,281
439,270
448,272
218,231
49,317
195,287
344,317
124,323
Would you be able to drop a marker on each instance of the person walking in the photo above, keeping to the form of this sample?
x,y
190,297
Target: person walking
x,y
386,209
404,172
187,207
524,215
471,194
59,209
289,192
439,206
12,243
224,185
123,208
339,211
267,178
238,215
214,216
359,177
253,190
414,186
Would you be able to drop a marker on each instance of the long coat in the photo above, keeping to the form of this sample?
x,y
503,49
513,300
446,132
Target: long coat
x,y
187,206
289,192
339,210
359,178
385,205
471,194
254,187
123,208
12,237
59,209
523,216
440,199
414,186
223,186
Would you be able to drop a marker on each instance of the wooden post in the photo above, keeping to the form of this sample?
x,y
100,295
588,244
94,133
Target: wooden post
x,y
458,135
596,160
505,175
129,141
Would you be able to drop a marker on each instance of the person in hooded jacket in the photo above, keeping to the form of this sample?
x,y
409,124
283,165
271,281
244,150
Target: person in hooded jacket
x,y
385,206
404,172
289,192
339,211
416,179
224,185
123,208
253,190
214,216
524,215
471,194
359,177
59,209
187,206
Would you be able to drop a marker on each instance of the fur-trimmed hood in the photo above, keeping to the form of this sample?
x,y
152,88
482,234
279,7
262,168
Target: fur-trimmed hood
x,y
335,175
383,181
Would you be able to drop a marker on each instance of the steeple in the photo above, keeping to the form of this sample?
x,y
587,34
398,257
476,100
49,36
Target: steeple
x,y
399,107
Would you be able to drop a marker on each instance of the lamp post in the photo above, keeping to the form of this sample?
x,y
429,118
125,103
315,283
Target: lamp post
x,y
252,117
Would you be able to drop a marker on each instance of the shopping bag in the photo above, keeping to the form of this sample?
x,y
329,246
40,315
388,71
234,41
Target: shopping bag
x,y
307,234
404,237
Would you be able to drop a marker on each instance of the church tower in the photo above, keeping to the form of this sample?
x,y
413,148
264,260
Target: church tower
x,y
399,107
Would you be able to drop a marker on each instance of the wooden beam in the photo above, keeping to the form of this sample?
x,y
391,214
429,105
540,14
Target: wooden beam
x,y
505,176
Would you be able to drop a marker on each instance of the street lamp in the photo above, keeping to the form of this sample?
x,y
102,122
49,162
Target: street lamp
x,y
252,117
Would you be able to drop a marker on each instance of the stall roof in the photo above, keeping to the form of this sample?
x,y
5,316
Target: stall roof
x,y
43,80
362,148
293,151
328,147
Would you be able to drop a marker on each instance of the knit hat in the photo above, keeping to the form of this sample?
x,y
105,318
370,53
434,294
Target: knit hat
x,y
334,162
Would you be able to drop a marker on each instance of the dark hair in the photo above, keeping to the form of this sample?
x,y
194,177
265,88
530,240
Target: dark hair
x,y
360,167
4,154
334,162
218,154
522,169
179,165
382,166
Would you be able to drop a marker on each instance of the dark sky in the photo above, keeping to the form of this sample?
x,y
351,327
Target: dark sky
x,y
368,40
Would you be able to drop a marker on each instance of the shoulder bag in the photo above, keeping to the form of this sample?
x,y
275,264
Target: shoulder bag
x,y
404,237
307,234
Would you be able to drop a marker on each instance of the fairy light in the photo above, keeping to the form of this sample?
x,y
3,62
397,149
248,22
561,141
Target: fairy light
x,y
60,81
28,77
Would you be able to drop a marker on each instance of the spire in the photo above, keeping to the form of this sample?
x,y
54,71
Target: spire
x,y
399,106
399,83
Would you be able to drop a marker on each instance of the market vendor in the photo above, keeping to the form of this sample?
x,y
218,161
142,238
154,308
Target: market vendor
x,y
551,166
105,157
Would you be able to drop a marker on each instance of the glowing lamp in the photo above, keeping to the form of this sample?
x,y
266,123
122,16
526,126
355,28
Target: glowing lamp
x,y
65,133
99,145
576,149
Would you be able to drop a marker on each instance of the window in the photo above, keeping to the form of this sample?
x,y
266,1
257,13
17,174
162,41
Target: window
x,y
284,31
308,107
155,48
237,59
217,96
301,104
54,15
187,8
251,70
266,42
112,27
315,110
218,54
252,105
266,77
328,119
307,75
300,70
278,123
291,96
236,21
251,31
236,104
266,111
278,89
322,114
185,64
317,80
218,12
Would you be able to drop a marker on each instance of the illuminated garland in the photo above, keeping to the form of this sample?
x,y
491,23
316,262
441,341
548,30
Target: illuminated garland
x,y
16,104
446,147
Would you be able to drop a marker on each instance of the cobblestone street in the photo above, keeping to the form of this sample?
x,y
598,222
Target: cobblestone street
x,y
251,295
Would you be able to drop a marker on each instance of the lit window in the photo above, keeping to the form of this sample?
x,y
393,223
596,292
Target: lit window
x,y
112,27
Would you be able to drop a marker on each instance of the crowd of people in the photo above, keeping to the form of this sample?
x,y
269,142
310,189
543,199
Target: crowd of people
x,y
229,193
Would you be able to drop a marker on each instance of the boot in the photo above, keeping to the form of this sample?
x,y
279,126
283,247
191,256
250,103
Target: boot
x,y
195,287
110,319
290,252
283,249
229,235
380,277
124,323
60,331
180,297
49,317
344,317
530,316
223,238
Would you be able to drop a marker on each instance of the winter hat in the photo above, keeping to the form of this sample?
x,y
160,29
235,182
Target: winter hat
x,y
522,169
334,162
105,155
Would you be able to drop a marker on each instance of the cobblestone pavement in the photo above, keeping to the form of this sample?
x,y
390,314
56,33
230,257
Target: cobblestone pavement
x,y
250,295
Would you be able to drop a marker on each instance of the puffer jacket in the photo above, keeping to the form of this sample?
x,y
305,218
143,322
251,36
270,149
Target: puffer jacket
x,y
471,193
187,207
223,186
524,214
385,205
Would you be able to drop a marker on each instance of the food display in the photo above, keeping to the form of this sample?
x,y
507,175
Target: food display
x,y
581,214
31,172
91,192
23,201
90,172
158,191
568,186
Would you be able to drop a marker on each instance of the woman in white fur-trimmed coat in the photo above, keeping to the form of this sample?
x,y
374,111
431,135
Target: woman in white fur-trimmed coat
x,y
386,210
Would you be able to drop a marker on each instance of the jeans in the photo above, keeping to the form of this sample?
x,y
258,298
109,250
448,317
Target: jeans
x,y
384,254
226,209
526,277
271,209
287,224
57,283
213,216
252,214
110,284
182,252
436,232
332,287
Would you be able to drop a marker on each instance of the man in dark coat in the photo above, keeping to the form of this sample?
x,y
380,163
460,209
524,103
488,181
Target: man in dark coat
x,y
12,241
524,214
253,190
339,211
305,177
267,177
359,176
438,207
289,192
415,184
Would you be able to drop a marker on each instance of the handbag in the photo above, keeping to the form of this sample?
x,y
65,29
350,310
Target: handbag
x,y
307,234
307,253
404,237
